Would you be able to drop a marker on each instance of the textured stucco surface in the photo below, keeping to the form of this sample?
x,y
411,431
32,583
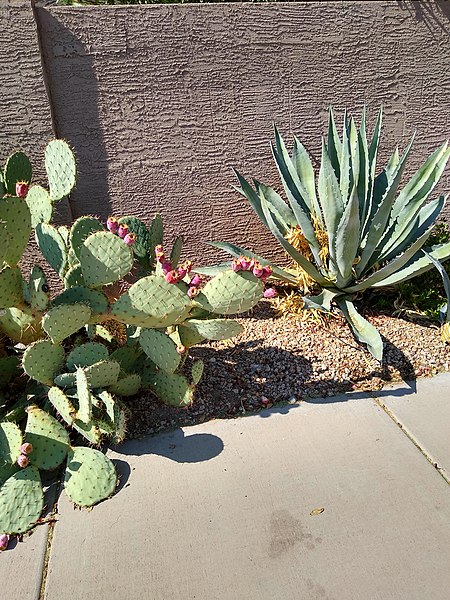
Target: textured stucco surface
x,y
160,102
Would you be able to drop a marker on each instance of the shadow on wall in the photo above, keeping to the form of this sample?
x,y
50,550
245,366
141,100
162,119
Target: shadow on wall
x,y
435,15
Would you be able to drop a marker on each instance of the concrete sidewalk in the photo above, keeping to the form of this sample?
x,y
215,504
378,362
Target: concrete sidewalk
x,y
232,510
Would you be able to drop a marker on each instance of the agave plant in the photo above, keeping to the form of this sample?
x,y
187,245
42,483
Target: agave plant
x,y
358,229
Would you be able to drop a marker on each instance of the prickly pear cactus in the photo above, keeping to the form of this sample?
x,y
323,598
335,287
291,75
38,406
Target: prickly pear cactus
x,y
21,501
49,439
90,477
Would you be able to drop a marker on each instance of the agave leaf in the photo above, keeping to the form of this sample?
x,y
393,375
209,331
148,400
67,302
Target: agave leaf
x,y
373,152
237,251
445,280
213,270
303,166
347,237
249,193
322,301
344,180
363,178
278,205
354,151
363,331
393,161
334,146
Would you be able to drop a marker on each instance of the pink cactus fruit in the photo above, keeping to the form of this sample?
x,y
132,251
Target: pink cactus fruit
x,y
193,292
172,277
159,253
236,265
23,461
187,266
4,541
246,263
166,267
21,189
270,293
26,448
130,238
181,272
122,230
258,270
196,281
181,349
112,224
267,272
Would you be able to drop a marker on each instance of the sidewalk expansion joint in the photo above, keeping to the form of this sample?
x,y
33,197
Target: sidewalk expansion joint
x,y
51,530
411,438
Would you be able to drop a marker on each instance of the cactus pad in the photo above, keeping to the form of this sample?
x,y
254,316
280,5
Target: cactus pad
x,y
49,439
81,229
96,301
104,259
62,404
7,470
42,361
127,386
172,389
40,205
230,293
10,442
62,321
175,254
52,246
90,431
11,293
8,369
103,374
21,501
15,214
154,296
86,355
197,371
156,233
138,227
90,477
189,337
215,329
61,168
38,290
126,356
116,414
20,325
123,311
84,412
65,380
73,277
160,349
17,168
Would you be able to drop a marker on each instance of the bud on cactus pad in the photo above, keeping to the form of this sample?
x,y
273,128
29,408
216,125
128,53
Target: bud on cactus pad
x,y
129,239
236,265
4,541
21,189
23,461
258,270
270,293
26,448
172,277
192,292
181,272
196,281
181,349
267,272
122,230
166,267
112,224
159,253
187,266
246,263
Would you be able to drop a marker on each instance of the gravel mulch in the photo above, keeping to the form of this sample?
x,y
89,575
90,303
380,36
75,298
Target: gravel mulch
x,y
285,359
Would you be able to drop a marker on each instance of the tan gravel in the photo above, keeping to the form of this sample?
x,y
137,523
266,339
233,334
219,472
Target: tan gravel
x,y
285,359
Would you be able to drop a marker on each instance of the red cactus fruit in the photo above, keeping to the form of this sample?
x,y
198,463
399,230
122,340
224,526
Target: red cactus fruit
x,y
130,238
26,448
172,277
4,541
23,461
21,189
112,224
270,293
193,292
122,230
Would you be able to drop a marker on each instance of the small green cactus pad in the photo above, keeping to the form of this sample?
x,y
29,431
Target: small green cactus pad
x,y
154,296
6,470
139,228
123,311
40,205
116,414
52,246
90,431
197,371
64,232
103,374
10,442
42,361
17,168
82,229
215,329
74,277
90,477
126,356
62,404
61,168
8,369
172,389
11,290
230,293
86,355
48,437
21,501
20,325
38,290
15,214
96,301
156,233
104,258
84,413
127,386
160,349
62,321
189,337
176,250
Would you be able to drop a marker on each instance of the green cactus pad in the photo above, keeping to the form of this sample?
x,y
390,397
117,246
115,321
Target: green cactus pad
x,y
82,229
10,442
172,389
157,298
215,329
230,293
104,258
52,246
197,371
103,374
38,290
40,205
126,356
123,311
42,361
116,414
84,413
61,168
156,233
139,228
189,337
64,232
62,404
62,321
65,380
17,168
90,477
86,355
127,386
90,431
8,369
4,246
7,470
48,437
74,277
96,301
11,290
21,501
14,213
160,349
20,325
175,254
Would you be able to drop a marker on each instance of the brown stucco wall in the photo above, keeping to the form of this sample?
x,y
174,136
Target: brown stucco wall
x,y
160,102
